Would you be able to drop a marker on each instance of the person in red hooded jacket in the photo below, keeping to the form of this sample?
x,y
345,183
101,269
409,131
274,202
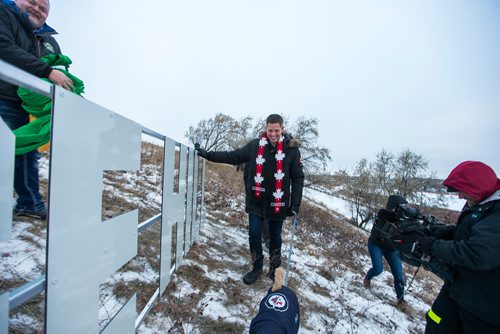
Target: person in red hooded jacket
x,y
470,303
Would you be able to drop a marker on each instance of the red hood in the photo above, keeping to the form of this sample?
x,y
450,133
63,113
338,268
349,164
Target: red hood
x,y
474,178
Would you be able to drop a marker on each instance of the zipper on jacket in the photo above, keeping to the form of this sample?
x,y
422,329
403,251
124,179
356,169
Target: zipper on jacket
x,y
38,48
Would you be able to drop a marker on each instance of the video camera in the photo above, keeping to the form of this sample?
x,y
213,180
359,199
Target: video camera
x,y
404,228
405,225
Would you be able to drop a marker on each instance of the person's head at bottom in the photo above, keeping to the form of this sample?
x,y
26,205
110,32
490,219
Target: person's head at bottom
x,y
279,310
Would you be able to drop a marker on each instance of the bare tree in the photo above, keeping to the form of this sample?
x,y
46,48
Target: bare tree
x,y
314,157
215,133
242,132
371,183
383,171
361,193
409,177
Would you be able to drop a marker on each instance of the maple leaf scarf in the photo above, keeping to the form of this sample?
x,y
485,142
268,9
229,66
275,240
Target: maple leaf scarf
x,y
278,176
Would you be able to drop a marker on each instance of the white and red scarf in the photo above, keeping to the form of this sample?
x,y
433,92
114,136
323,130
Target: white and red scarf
x,y
278,176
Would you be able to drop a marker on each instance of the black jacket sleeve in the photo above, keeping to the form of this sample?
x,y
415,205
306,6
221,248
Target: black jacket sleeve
x,y
235,157
297,178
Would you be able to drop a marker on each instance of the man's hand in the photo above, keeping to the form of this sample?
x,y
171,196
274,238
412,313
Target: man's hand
x,y
425,244
292,210
443,231
201,152
60,79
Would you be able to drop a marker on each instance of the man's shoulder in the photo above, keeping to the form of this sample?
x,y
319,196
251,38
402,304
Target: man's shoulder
x,y
4,4
294,143
5,9
10,15
254,142
491,208
487,213
9,8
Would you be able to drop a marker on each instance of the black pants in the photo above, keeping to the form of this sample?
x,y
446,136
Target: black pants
x,y
265,231
447,317
26,182
255,238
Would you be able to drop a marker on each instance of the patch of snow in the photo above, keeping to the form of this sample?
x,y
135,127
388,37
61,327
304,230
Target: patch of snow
x,y
331,202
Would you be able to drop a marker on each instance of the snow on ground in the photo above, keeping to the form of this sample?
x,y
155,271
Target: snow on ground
x,y
341,206
336,204
452,201
335,303
20,260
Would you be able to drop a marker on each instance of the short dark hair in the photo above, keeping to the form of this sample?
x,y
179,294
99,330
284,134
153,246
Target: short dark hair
x,y
274,118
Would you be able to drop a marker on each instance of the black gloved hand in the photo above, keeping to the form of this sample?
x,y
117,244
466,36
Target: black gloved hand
x,y
425,244
292,210
443,231
201,151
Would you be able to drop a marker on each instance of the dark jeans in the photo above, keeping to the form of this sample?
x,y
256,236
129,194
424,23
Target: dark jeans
x,y
446,316
265,231
26,183
392,257
255,235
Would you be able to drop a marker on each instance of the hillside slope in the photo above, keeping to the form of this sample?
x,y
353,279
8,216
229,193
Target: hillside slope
x,y
329,260
206,294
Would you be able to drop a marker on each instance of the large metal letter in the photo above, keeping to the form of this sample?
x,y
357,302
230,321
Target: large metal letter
x,y
196,222
169,212
189,200
202,199
82,250
7,149
180,204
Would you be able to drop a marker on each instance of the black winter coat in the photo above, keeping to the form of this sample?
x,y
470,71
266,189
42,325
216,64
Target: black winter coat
x,y
293,181
21,47
376,236
475,253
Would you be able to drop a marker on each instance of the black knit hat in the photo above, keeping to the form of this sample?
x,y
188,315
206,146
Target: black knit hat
x,y
393,201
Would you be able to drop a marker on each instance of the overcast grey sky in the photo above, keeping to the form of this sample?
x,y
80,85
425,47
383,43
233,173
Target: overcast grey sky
x,y
421,74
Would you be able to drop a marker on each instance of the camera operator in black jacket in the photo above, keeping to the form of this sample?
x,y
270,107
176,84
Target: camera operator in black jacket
x,y
471,302
380,246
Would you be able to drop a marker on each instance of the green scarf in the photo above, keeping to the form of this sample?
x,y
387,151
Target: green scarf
x,y
37,133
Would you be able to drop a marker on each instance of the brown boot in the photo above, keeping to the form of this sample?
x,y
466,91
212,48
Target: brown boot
x,y
403,306
400,303
366,283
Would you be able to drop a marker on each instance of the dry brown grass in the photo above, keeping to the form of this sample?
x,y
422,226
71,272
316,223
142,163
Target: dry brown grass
x,y
338,243
223,185
195,275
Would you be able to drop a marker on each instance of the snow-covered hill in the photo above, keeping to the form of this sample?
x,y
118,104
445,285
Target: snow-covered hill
x,y
207,295
328,263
